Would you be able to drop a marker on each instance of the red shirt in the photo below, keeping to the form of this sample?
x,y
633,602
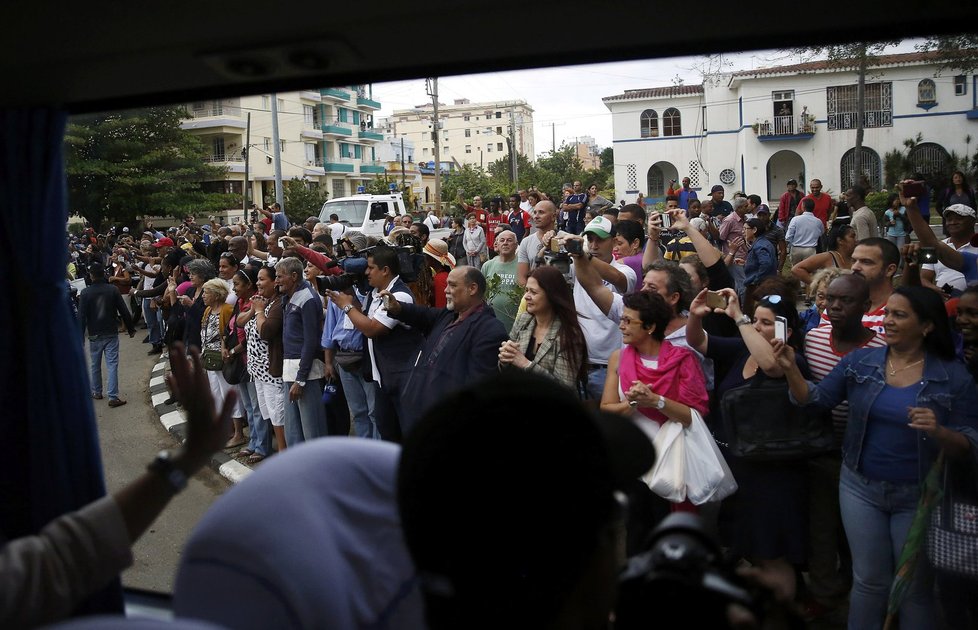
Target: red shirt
x,y
492,220
440,284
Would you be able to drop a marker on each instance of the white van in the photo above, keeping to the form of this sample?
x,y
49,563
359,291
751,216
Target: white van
x,y
366,213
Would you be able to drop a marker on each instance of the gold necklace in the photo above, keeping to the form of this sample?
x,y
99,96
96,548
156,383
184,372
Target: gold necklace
x,y
893,371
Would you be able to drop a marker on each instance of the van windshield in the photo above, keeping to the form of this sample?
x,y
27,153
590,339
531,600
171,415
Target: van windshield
x,y
350,211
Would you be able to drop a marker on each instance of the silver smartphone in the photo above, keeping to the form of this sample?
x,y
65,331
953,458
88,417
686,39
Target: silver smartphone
x,y
781,328
666,220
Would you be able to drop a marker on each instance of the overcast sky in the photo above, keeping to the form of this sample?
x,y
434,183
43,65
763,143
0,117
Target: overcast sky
x,y
569,97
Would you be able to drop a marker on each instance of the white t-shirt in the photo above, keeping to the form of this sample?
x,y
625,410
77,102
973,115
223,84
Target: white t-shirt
x,y
600,331
337,230
148,281
945,275
379,313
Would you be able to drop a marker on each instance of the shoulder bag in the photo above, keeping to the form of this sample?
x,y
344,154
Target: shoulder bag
x,y
952,539
762,424
234,369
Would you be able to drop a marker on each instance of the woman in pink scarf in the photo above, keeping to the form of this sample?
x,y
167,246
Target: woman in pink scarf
x,y
650,375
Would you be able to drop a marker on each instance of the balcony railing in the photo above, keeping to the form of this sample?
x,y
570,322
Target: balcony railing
x,y
215,109
224,157
337,93
802,126
372,167
363,101
310,95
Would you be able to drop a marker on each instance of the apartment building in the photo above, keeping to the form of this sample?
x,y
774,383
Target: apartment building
x,y
326,137
470,133
754,130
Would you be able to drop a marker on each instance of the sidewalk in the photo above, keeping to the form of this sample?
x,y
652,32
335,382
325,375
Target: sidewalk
x,y
175,422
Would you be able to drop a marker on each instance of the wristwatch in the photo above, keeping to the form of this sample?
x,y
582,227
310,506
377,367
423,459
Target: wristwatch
x,y
633,404
163,466
742,320
300,383
661,403
347,309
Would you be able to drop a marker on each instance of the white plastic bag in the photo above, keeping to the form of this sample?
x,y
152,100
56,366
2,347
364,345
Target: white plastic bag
x,y
668,477
708,478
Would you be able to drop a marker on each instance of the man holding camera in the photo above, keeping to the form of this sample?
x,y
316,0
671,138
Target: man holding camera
x,y
392,346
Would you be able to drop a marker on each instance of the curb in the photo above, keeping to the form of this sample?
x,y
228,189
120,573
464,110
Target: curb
x,y
174,421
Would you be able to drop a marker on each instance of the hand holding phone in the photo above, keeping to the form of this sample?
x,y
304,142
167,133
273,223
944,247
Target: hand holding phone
x,y
927,255
666,220
781,328
715,300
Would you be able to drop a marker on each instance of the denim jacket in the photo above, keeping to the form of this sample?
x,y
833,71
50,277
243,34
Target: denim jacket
x,y
948,389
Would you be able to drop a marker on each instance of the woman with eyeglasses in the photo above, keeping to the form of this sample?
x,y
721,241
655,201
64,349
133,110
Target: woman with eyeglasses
x,y
766,520
650,376
762,255
908,401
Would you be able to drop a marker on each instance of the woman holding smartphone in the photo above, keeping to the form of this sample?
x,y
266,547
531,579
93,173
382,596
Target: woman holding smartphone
x,y
908,401
765,521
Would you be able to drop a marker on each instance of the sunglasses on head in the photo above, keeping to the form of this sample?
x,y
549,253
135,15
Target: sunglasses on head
x,y
771,299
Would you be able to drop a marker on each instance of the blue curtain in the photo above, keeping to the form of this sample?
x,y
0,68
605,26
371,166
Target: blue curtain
x,y
50,462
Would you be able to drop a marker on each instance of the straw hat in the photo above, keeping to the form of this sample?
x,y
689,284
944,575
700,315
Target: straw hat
x,y
438,249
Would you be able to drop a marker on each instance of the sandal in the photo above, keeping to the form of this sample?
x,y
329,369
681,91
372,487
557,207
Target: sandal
x,y
245,452
254,459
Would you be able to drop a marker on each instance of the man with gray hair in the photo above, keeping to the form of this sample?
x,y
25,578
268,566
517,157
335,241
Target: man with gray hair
x,y
734,243
302,369
461,343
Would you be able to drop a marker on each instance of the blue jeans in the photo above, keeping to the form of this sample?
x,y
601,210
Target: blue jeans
x,y
109,346
259,440
877,516
595,382
305,419
361,396
153,322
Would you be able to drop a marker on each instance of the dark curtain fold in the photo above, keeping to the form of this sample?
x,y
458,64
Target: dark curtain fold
x,y
51,463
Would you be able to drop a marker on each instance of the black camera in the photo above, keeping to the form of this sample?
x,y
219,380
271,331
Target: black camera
x,y
681,580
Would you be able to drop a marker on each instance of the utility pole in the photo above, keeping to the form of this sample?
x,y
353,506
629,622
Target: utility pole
x,y
247,156
512,143
402,164
432,87
553,132
277,155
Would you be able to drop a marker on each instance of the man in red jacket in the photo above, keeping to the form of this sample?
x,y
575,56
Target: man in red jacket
x,y
788,203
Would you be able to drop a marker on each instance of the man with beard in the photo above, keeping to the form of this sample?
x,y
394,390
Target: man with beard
x,y
875,259
461,342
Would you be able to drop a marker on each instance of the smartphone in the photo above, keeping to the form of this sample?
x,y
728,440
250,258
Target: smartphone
x,y
666,221
387,302
715,300
781,328
281,243
574,246
554,245
913,189
927,255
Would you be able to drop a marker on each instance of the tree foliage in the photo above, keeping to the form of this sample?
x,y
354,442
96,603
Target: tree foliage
x,y
958,53
123,165
301,200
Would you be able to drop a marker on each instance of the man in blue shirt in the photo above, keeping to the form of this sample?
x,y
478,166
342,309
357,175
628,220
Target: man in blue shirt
x,y
685,194
574,205
344,357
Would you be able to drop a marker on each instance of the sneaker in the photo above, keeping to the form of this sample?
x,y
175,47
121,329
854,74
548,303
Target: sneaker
x,y
116,402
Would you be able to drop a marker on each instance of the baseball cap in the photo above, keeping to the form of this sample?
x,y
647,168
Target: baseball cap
x,y
600,227
960,208
164,242
717,188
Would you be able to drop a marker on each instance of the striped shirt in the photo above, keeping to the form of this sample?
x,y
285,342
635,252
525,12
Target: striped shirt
x,y
872,320
822,357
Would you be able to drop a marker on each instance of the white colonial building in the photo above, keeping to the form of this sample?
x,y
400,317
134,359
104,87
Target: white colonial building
x,y
753,130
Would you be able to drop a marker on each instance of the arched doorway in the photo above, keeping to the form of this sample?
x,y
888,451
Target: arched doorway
x,y
658,178
929,159
781,167
871,168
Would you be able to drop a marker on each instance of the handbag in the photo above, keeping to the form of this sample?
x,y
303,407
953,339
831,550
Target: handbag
x,y
349,360
212,360
234,369
762,424
668,477
708,477
952,539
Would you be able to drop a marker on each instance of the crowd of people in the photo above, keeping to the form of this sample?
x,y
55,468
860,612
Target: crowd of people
x,y
662,316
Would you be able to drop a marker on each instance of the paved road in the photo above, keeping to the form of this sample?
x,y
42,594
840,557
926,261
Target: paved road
x,y
130,437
